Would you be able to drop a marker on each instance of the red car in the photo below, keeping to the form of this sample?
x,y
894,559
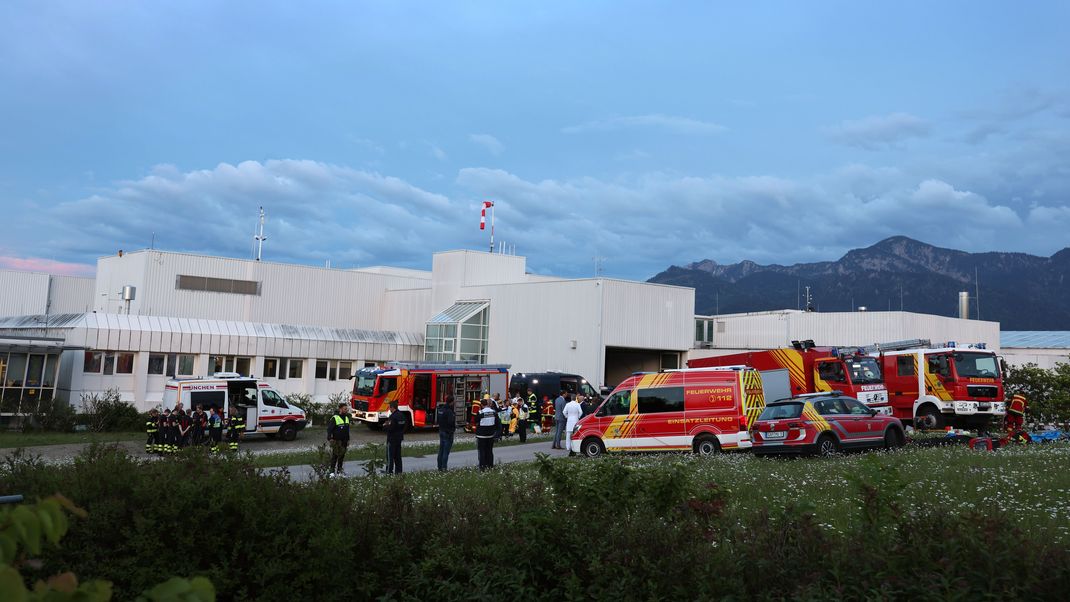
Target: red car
x,y
824,424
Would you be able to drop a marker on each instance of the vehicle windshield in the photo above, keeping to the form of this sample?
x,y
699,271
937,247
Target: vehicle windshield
x,y
976,365
364,384
864,370
781,410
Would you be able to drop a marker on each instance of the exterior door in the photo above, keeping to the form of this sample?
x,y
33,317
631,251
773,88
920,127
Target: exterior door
x,y
617,421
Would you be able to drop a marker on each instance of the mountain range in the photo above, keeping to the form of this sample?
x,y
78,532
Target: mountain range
x,y
1021,291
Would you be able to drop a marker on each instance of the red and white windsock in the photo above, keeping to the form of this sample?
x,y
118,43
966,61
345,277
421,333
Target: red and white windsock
x,y
483,215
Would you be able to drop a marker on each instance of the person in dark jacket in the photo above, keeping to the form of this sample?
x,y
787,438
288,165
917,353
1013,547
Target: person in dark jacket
x,y
338,439
447,424
151,428
200,426
395,433
215,429
486,430
559,420
587,405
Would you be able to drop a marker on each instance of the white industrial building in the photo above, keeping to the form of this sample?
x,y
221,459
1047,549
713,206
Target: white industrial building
x,y
1045,348
733,333
153,314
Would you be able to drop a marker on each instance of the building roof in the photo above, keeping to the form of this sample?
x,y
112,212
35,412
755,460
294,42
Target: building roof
x,y
125,322
1035,339
458,312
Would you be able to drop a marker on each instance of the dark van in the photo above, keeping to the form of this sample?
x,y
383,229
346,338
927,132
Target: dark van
x,y
550,384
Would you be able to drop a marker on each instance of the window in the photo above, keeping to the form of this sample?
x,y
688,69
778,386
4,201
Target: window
x,y
294,370
661,399
321,369
670,361
332,370
781,411
831,371
371,364
618,404
50,372
904,365
345,370
217,285
856,408
938,364
124,363
364,384
700,330
830,405
92,362
271,398
451,336
185,365
172,365
271,367
215,364
976,365
16,369
387,384
157,361
207,399
109,363
242,365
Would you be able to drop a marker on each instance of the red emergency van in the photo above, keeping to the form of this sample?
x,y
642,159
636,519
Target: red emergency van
x,y
703,410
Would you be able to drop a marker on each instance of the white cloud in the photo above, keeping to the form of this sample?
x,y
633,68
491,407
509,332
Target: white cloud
x,y
879,131
437,152
669,123
490,143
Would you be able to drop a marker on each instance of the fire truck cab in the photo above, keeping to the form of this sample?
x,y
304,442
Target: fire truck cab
x,y
265,410
944,385
420,387
816,369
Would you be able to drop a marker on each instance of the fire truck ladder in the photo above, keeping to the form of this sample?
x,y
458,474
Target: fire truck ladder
x,y
897,345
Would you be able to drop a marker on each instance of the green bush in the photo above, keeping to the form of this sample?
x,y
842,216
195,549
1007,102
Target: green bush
x,y
562,529
53,415
318,411
107,412
1047,391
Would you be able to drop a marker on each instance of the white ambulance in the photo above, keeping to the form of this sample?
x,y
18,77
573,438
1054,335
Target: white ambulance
x,y
266,411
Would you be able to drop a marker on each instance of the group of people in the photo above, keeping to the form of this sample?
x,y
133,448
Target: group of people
x,y
568,411
171,430
395,425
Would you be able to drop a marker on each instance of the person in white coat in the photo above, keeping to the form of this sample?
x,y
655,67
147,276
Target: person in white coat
x,y
573,412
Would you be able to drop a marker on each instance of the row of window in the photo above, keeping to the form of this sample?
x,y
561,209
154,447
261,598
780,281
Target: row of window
x,y
27,370
651,401
704,329
183,364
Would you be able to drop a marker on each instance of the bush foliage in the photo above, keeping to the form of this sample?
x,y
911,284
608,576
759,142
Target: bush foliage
x,y
107,412
606,529
1048,391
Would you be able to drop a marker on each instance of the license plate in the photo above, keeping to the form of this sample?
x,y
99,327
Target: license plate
x,y
984,407
775,435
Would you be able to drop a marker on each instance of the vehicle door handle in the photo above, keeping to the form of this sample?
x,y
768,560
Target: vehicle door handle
x,y
626,420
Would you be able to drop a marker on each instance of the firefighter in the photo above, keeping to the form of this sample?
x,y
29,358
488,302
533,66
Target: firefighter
x,y
200,426
236,428
164,433
534,416
473,417
215,429
1015,420
183,424
151,428
548,413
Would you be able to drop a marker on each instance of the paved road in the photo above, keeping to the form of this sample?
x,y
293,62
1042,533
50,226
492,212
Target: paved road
x,y
460,459
257,445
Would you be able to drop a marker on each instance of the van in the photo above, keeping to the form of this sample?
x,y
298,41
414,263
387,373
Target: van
x,y
266,412
550,384
700,410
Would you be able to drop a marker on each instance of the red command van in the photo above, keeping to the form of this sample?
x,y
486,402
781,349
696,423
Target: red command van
x,y
702,410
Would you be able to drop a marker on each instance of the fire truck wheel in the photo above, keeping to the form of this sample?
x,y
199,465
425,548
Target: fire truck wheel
x,y
893,439
706,445
929,418
288,432
827,445
592,447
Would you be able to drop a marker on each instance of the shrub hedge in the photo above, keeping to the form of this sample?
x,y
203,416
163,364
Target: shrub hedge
x,y
561,530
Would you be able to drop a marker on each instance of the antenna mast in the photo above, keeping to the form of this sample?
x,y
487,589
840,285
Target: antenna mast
x,y
260,238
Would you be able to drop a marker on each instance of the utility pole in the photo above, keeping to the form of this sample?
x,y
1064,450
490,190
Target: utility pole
x,y
260,238
598,262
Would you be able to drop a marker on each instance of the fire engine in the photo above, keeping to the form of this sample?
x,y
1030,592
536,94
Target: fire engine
x,y
419,388
813,369
943,385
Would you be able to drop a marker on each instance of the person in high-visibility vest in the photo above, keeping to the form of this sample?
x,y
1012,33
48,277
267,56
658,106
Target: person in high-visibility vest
x,y
215,429
151,428
534,415
338,438
1015,420
236,428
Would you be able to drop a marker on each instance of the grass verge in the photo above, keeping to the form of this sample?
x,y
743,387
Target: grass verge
x,y
12,439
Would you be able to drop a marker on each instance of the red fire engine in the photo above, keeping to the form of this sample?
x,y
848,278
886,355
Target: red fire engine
x,y
943,385
813,369
419,388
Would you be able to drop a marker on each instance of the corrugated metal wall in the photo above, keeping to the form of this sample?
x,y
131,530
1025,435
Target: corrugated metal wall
x,y
406,310
290,294
70,294
22,293
777,329
648,316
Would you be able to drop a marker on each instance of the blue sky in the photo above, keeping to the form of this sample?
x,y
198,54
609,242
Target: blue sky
x,y
648,133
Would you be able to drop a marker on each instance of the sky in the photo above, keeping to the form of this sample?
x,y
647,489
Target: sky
x,y
646,134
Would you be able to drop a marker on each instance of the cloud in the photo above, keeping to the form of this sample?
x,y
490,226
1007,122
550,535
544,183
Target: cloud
x,y
879,131
656,121
437,152
492,144
38,264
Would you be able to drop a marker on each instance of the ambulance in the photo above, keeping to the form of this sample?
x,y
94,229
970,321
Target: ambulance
x,y
700,410
266,411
